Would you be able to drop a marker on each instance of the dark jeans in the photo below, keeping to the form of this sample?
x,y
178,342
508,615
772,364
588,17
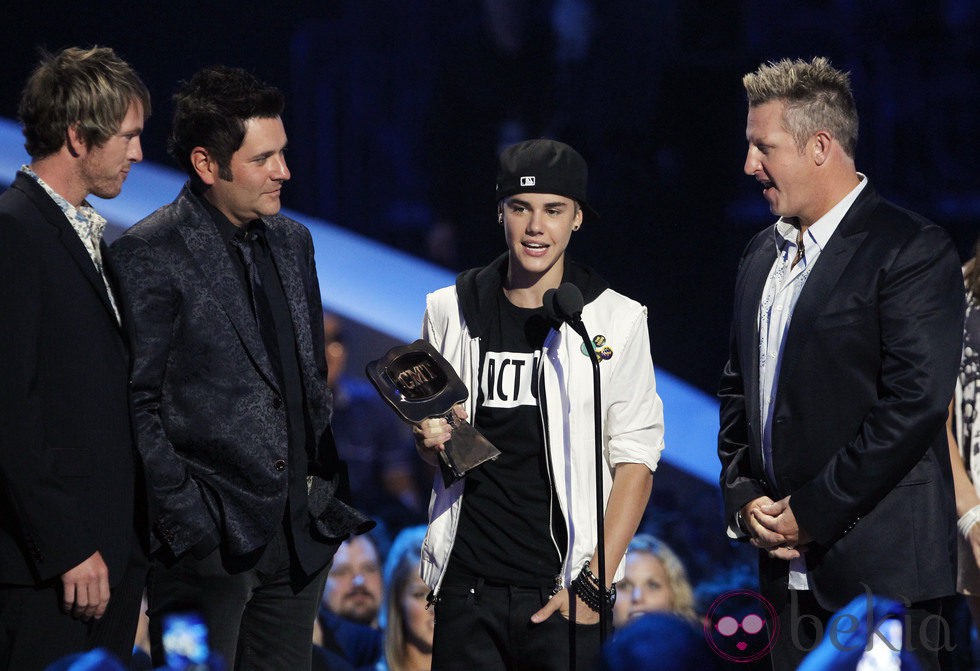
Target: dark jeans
x,y
259,613
800,634
34,631
487,626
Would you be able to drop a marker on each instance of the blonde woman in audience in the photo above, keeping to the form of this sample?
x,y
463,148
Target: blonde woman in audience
x,y
406,621
655,581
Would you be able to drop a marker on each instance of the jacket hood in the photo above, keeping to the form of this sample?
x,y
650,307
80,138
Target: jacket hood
x,y
477,289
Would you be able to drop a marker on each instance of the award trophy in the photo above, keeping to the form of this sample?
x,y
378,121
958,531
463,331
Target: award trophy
x,y
418,383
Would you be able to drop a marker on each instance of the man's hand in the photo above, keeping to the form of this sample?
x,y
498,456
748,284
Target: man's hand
x,y
559,602
432,434
778,521
86,589
760,537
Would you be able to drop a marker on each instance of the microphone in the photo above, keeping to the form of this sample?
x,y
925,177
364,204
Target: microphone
x,y
569,303
565,304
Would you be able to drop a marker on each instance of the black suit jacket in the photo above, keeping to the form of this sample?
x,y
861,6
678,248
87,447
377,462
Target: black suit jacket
x,y
210,418
858,436
67,463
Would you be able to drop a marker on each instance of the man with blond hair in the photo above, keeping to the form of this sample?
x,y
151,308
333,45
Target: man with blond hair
x,y
844,349
71,565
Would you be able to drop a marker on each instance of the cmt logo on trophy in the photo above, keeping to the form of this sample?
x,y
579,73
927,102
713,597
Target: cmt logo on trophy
x,y
420,379
417,383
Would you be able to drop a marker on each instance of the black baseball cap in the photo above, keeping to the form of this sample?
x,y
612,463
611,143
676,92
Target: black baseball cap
x,y
544,166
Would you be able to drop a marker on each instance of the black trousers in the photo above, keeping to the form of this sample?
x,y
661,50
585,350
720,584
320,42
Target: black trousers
x,y
799,632
487,626
259,613
34,631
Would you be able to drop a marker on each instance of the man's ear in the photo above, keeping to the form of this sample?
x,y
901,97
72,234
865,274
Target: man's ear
x,y
74,142
821,147
204,165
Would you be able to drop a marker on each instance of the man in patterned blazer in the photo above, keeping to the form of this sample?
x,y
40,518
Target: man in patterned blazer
x,y
246,492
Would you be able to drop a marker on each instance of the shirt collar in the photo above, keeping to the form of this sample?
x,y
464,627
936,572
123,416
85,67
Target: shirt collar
x,y
84,217
820,231
229,232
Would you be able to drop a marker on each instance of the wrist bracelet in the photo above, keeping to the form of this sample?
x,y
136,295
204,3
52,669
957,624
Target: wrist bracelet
x,y
965,523
588,588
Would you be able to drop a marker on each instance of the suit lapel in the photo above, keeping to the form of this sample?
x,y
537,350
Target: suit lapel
x,y
68,236
208,250
825,277
759,263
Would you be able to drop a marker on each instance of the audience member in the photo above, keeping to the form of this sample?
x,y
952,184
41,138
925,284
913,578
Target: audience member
x,y
407,620
659,642
347,626
353,589
381,459
655,581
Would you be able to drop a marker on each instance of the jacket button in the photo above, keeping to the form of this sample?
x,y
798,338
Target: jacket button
x,y
276,402
280,465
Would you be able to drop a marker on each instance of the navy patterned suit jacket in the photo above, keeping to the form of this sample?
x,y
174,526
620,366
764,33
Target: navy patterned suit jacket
x,y
210,418
858,434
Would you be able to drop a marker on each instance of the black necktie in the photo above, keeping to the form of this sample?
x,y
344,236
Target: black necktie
x,y
249,246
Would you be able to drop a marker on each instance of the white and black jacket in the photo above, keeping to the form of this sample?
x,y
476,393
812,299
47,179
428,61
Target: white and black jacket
x,y
632,412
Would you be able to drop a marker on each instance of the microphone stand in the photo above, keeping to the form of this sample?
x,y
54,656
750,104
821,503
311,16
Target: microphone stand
x,y
565,304
576,323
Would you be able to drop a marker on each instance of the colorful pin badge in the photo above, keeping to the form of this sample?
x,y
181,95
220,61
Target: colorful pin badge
x,y
598,344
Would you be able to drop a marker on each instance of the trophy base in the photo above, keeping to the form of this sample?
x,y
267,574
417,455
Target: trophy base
x,y
467,449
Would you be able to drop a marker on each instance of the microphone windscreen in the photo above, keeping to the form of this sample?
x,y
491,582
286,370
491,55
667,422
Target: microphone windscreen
x,y
569,302
550,311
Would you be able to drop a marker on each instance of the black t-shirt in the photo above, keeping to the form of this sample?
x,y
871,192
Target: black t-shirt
x,y
504,532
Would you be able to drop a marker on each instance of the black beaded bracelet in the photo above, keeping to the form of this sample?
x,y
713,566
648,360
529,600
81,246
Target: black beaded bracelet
x,y
588,588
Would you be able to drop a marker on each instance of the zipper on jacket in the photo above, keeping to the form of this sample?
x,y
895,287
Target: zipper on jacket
x,y
543,411
434,596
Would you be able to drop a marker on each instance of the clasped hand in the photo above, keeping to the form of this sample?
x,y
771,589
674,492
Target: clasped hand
x,y
773,527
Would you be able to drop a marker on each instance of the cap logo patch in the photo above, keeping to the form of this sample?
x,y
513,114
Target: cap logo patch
x,y
528,180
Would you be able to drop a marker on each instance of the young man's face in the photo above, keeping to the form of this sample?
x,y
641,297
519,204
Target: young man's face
x,y
537,227
258,170
104,168
786,174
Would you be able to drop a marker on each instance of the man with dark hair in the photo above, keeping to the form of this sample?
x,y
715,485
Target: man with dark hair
x,y
845,346
247,495
68,472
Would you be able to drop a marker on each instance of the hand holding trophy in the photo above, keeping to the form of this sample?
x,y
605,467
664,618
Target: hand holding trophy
x,y
418,383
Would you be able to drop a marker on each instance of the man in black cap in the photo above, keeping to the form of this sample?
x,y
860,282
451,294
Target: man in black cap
x,y
510,542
